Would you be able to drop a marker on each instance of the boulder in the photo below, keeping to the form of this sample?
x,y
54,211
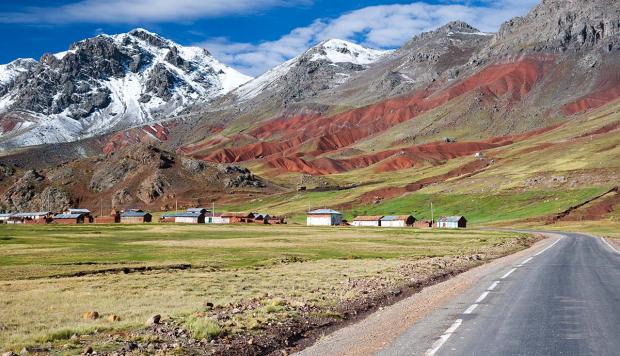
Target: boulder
x,y
90,315
154,320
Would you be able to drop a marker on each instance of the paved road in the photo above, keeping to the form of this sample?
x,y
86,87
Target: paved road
x,y
564,300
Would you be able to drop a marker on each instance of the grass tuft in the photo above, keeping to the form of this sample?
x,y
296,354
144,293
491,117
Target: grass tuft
x,y
203,328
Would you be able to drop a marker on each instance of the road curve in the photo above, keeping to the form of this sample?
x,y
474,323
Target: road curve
x,y
563,300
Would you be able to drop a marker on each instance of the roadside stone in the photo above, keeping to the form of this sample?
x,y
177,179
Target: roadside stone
x,y
9,353
90,315
154,320
132,346
24,351
87,350
113,318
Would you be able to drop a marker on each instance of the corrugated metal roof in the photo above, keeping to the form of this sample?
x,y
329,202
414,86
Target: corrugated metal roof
x,y
5,215
37,213
67,216
83,211
395,217
134,214
368,218
450,218
324,212
187,215
191,210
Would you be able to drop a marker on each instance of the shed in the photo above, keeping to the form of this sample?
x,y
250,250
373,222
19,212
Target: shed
x,y
216,218
38,217
367,221
135,217
88,218
452,222
323,217
189,218
68,219
397,221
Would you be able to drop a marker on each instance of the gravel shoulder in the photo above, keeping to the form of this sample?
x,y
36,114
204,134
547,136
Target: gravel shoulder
x,y
380,329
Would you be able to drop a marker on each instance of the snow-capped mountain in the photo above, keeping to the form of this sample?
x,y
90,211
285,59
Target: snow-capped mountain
x,y
10,71
103,84
324,66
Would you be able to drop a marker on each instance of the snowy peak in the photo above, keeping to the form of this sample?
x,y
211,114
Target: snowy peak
x,y
10,71
340,51
108,83
322,67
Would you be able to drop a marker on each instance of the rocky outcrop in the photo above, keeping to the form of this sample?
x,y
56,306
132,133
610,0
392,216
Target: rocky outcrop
x,y
152,188
54,199
109,174
559,26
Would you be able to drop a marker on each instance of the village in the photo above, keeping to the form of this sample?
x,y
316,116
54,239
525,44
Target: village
x,y
199,215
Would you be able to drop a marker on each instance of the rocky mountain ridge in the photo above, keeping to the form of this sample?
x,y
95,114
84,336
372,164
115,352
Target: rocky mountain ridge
x,y
107,83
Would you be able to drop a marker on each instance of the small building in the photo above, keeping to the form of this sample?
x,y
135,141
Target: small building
x,y
113,218
4,217
397,221
374,221
452,222
68,219
238,218
324,217
189,218
39,217
216,218
135,217
261,218
88,217
423,224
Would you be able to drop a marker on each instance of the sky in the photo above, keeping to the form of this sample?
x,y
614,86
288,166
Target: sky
x,y
252,36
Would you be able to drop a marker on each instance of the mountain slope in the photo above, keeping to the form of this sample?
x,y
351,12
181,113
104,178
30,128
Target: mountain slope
x,y
108,83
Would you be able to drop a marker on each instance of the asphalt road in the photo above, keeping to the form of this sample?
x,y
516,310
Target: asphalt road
x,y
563,300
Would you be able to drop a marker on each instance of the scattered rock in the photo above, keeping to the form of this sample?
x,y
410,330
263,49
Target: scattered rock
x,y
113,318
87,350
90,315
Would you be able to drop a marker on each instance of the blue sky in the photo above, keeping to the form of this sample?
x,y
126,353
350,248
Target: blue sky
x,y
250,35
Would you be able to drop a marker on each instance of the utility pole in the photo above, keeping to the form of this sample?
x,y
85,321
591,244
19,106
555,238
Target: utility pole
x,y
100,206
176,205
432,215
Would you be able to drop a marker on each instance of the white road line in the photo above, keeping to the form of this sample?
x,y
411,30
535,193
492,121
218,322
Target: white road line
x,y
610,246
470,309
548,247
493,285
482,296
508,274
526,261
443,338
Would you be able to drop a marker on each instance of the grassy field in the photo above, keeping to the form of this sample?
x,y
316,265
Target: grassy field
x,y
51,275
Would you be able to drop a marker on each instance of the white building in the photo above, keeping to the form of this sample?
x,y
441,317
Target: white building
x,y
217,219
397,221
452,222
374,221
4,218
324,217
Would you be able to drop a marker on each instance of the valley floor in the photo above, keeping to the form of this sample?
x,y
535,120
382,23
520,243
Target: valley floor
x,y
217,288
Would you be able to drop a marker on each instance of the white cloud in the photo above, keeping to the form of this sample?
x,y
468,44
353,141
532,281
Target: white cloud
x,y
383,26
139,11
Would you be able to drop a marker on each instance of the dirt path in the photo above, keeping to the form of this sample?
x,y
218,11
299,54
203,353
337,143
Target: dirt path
x,y
383,327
